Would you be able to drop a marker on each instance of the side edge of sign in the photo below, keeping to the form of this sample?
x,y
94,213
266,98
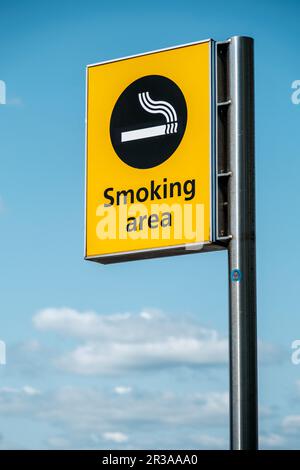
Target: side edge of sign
x,y
155,253
213,137
85,161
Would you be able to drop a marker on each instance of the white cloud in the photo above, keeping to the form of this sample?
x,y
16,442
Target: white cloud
x,y
98,358
121,390
30,390
146,315
117,437
121,342
117,343
73,323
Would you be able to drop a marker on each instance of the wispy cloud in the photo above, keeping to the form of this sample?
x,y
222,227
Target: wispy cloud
x,y
121,390
117,437
92,417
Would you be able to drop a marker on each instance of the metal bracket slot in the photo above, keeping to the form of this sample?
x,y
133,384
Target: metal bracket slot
x,y
223,173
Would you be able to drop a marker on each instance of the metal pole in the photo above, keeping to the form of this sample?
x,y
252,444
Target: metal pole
x,y
241,249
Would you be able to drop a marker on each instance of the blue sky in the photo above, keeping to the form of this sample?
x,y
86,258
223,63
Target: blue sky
x,y
81,372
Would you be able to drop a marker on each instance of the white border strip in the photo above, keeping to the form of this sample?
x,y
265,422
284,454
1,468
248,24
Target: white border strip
x,y
148,53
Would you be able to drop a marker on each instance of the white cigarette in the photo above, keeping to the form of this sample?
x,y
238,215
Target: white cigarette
x,y
143,133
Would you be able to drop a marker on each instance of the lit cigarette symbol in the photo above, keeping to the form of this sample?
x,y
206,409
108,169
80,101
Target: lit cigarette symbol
x,y
153,107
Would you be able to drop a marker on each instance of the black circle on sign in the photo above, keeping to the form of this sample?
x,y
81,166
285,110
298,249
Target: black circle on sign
x,y
148,121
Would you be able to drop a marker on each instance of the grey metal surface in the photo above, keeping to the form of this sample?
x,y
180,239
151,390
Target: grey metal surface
x,y
241,248
222,148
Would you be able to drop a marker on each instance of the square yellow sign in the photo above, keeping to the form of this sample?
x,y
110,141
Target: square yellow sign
x,y
149,156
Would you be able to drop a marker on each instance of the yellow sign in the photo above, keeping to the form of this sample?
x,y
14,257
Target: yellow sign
x,y
148,165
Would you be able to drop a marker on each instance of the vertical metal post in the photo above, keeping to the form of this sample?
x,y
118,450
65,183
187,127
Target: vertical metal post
x,y
241,248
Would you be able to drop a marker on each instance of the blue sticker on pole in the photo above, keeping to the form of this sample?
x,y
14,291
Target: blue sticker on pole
x,y
236,275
